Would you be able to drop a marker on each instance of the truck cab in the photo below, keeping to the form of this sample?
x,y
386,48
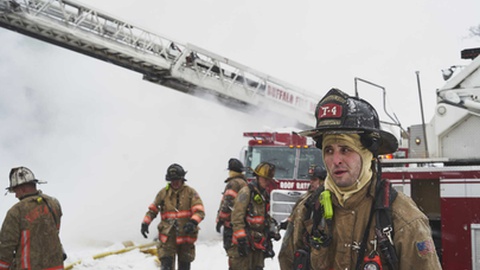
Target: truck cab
x,y
292,156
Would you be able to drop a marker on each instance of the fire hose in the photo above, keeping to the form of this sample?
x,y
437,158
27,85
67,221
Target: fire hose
x,y
129,246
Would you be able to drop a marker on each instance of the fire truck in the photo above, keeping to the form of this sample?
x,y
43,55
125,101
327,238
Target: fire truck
x,y
442,171
292,156
439,169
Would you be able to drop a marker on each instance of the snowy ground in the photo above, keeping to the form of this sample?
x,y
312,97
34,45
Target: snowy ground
x,y
210,255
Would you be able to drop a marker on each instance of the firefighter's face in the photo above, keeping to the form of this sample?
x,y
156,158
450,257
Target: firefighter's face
x,y
263,182
176,184
343,164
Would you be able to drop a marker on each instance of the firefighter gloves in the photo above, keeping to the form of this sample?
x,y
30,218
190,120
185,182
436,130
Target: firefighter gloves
x,y
219,226
190,226
144,229
283,224
243,248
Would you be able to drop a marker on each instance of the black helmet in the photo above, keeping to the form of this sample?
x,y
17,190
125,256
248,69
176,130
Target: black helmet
x,y
338,113
175,172
235,165
317,172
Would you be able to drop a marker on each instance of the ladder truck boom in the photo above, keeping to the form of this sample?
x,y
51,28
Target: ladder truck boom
x,y
182,67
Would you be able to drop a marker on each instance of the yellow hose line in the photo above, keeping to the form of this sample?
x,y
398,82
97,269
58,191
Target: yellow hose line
x,y
108,253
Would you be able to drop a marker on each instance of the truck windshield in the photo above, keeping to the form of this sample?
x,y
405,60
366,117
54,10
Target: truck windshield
x,y
290,163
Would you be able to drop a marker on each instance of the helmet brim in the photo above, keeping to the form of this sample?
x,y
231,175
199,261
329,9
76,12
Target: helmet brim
x,y
388,143
36,181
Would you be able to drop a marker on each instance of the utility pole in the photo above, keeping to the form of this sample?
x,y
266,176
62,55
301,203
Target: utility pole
x,y
423,117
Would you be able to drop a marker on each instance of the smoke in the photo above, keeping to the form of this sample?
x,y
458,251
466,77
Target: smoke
x,y
103,139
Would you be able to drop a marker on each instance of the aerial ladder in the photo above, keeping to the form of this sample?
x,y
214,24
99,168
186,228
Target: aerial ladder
x,y
183,67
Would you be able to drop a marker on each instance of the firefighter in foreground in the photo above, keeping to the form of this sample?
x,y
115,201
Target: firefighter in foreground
x,y
253,228
298,224
181,211
29,238
236,180
361,222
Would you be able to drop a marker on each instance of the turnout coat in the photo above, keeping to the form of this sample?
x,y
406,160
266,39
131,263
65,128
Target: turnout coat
x,y
29,237
411,236
176,207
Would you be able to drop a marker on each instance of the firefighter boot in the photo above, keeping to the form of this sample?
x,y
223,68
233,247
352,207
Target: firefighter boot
x,y
166,263
183,265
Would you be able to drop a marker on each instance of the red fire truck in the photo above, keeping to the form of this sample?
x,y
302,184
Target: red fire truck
x,y
292,156
442,171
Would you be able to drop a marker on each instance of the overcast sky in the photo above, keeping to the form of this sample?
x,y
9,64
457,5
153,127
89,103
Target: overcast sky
x,y
103,138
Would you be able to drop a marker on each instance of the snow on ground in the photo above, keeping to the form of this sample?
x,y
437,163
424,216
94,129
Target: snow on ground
x,y
209,255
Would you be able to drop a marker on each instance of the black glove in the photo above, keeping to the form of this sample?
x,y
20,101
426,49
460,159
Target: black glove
x,y
284,224
144,229
219,226
243,248
276,236
190,226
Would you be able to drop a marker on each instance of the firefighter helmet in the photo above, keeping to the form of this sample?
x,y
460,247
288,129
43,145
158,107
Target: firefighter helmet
x,y
175,172
317,172
235,165
337,112
265,170
20,176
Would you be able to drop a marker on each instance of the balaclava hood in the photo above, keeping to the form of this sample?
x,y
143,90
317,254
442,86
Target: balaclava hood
x,y
353,142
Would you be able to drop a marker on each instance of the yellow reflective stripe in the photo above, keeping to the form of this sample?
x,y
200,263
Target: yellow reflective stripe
x,y
256,219
25,249
185,239
230,192
197,207
147,219
175,215
197,218
224,215
152,207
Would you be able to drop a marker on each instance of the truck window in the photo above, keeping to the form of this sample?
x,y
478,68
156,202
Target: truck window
x,y
309,157
290,163
283,159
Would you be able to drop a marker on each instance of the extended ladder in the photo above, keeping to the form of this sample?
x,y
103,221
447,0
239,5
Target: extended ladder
x,y
183,67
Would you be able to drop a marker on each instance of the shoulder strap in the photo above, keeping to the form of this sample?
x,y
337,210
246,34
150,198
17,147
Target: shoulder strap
x,y
384,225
318,237
50,210
385,194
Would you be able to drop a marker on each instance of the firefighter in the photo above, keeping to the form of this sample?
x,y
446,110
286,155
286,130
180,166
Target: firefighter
x,y
181,210
29,238
296,237
253,227
236,180
361,222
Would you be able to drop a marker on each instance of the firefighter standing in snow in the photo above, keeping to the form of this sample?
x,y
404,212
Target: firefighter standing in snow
x,y
181,210
29,238
236,180
251,222
366,224
297,225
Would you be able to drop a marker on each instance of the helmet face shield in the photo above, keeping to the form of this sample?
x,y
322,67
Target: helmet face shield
x,y
339,113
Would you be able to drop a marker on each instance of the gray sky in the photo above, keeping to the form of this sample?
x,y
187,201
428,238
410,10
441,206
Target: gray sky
x,y
317,45
103,138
